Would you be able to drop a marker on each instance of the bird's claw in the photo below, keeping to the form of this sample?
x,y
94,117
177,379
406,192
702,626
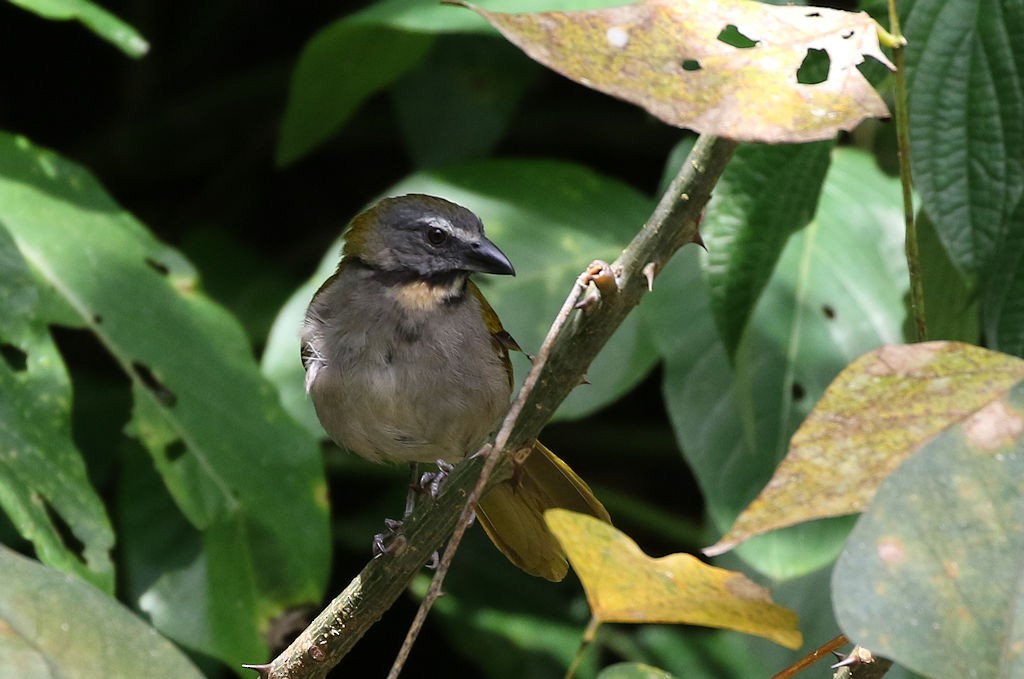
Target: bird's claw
x,y
390,540
430,482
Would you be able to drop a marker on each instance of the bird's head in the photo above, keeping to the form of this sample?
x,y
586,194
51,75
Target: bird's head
x,y
423,236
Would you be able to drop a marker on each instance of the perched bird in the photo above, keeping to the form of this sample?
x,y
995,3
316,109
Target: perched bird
x,y
407,362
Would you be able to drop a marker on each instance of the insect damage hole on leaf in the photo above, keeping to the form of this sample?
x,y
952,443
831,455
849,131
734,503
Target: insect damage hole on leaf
x,y
814,68
64,532
731,35
165,396
14,357
159,267
691,65
175,450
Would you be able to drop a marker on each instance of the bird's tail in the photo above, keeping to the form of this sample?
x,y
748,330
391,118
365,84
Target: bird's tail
x,y
512,513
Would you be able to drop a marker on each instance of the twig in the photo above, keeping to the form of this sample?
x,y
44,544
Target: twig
x,y
812,657
899,45
570,348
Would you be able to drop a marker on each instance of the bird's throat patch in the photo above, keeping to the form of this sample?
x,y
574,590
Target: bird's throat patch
x,y
422,296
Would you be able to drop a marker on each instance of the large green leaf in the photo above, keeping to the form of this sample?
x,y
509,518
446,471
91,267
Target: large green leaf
x,y
633,671
551,219
237,466
965,70
98,20
193,587
932,576
457,103
41,471
766,193
1003,303
339,68
951,308
837,292
55,625
360,54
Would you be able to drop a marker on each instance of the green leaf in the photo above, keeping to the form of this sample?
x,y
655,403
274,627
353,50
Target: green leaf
x,y
967,118
1003,304
340,67
98,20
551,219
932,576
697,653
358,55
633,670
237,466
191,586
766,193
836,293
458,102
950,304
415,15
42,474
55,625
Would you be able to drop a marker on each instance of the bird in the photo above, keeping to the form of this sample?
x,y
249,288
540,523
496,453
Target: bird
x,y
407,362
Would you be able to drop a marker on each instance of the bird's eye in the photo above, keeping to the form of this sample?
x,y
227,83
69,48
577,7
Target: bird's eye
x,y
436,235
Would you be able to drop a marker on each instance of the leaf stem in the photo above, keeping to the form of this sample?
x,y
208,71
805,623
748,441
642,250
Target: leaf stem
x,y
898,43
589,634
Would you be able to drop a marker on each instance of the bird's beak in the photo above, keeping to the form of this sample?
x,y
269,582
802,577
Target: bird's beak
x,y
485,257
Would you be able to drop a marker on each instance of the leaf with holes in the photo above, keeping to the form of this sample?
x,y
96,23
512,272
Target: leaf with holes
x,y
732,68
44,485
767,193
879,410
625,585
240,470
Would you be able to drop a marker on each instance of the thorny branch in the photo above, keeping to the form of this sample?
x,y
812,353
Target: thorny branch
x,y
580,331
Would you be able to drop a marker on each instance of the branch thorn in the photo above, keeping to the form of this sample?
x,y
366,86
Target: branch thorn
x,y
263,670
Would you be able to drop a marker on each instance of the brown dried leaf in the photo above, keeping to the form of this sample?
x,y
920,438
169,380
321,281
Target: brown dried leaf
x,y
669,57
877,412
625,585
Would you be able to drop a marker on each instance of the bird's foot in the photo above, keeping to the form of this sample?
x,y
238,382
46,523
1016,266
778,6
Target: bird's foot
x,y
390,540
430,482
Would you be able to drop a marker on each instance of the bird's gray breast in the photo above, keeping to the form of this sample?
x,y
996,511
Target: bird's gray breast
x,y
400,378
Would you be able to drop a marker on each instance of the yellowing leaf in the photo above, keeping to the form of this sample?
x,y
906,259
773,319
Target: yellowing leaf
x,y
879,410
679,60
625,585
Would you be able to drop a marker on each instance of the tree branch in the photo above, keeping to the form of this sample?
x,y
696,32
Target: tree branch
x,y
577,336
